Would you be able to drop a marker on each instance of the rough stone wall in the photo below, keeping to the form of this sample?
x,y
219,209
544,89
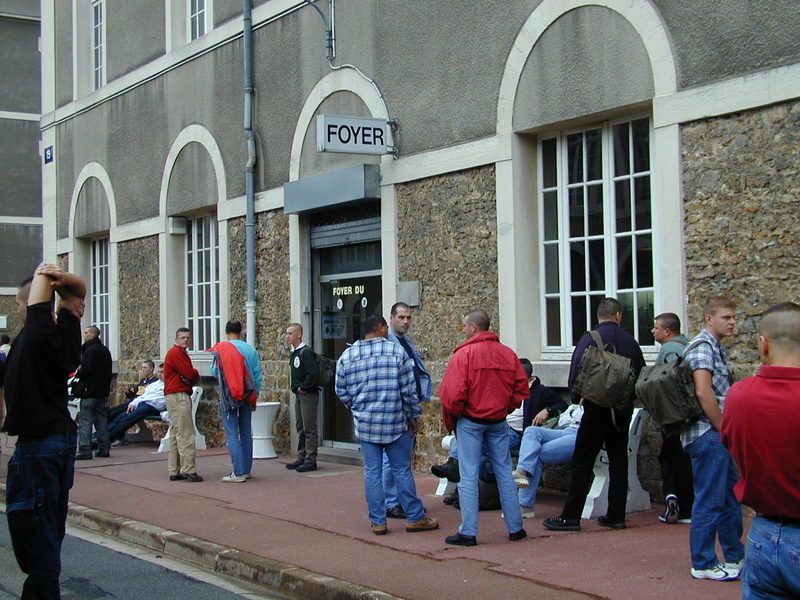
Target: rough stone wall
x,y
8,306
741,189
273,308
139,309
447,240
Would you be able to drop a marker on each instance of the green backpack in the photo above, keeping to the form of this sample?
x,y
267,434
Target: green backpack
x,y
604,377
667,392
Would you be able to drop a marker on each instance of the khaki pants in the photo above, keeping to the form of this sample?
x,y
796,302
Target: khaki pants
x,y
181,439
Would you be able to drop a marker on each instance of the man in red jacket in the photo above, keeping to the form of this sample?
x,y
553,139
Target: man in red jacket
x,y
482,384
179,377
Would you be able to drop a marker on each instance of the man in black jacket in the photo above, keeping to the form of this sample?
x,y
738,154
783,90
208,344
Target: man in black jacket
x,y
94,383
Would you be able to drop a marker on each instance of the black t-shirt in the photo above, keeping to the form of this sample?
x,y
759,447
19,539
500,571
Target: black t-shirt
x,y
42,357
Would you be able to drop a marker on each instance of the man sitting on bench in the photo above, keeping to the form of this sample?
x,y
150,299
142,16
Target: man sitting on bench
x,y
149,404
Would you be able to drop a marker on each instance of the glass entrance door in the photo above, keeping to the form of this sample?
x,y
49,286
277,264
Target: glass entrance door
x,y
346,298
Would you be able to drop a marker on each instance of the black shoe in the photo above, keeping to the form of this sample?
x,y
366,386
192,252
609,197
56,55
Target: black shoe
x,y
102,454
178,477
448,470
671,510
194,477
519,535
461,540
396,512
606,522
293,465
451,499
83,456
561,524
306,467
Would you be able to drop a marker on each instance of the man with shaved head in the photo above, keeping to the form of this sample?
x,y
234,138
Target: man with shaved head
x,y
761,427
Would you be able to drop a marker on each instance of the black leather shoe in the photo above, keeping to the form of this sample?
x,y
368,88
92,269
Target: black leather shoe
x,y
517,536
178,477
293,465
448,470
396,512
606,522
451,499
461,540
306,467
102,454
561,524
83,456
194,477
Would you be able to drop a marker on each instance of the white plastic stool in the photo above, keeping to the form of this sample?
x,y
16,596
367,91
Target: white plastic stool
x,y
263,418
446,487
638,499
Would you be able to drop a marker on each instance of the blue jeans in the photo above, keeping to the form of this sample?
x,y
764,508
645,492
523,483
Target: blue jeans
x,y
399,455
772,568
540,447
239,433
40,475
94,412
514,439
471,438
716,511
118,427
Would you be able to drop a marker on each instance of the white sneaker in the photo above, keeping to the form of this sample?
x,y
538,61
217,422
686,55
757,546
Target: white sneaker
x,y
735,567
234,478
520,478
718,573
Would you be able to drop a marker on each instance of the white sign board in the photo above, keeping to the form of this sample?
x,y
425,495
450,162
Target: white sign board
x,y
354,135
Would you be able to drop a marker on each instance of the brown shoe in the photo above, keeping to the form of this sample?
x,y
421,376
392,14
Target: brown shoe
x,y
379,529
424,524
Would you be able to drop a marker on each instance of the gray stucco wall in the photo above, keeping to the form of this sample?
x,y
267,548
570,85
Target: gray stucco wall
x,y
20,165
137,30
19,66
62,48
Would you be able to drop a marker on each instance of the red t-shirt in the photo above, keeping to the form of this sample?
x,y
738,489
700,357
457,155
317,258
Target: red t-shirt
x,y
761,428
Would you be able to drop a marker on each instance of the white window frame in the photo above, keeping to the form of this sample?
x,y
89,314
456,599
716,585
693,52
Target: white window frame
x,y
99,262
197,24
202,280
97,33
610,236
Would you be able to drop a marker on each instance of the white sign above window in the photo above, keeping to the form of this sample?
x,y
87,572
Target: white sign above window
x,y
353,135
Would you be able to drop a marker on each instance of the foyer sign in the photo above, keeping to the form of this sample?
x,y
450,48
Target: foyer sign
x,y
353,135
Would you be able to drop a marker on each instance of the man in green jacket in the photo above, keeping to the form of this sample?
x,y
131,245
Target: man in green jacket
x,y
305,373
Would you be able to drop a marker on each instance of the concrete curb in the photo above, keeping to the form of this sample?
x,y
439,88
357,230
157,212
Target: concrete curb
x,y
235,563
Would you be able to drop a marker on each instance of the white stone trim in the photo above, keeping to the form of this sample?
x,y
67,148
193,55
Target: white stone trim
x,y
21,220
19,116
642,16
171,252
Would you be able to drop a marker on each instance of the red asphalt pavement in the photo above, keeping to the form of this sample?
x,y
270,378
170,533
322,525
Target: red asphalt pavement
x,y
317,521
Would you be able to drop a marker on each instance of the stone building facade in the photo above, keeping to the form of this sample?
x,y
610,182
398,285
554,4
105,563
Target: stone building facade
x,y
541,155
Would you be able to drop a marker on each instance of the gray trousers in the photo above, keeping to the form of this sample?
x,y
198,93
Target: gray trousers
x,y
305,417
94,412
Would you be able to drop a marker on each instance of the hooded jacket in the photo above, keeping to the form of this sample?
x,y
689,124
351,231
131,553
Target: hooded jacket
x,y
483,382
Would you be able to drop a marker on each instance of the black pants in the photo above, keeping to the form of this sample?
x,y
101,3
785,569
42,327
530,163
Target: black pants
x,y
676,473
597,430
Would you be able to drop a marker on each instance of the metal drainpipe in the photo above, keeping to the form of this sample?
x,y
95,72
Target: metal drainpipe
x,y
249,171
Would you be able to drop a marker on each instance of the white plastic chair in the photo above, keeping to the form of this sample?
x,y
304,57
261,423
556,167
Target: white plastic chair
x,y
199,438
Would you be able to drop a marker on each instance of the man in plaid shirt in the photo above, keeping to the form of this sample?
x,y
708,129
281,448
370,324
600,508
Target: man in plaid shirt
x,y
375,380
716,512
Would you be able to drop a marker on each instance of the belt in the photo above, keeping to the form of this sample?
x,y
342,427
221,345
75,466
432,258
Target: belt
x,y
789,521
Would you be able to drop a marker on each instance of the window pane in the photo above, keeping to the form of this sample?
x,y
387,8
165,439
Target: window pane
x,y
594,302
641,145
641,185
576,212
575,158
624,263
595,208
622,164
550,215
594,156
622,193
577,267
551,269
553,307
628,309
646,314
579,321
644,261
549,163
597,265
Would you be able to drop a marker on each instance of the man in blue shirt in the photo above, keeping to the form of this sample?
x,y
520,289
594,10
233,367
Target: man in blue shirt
x,y
399,323
375,380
